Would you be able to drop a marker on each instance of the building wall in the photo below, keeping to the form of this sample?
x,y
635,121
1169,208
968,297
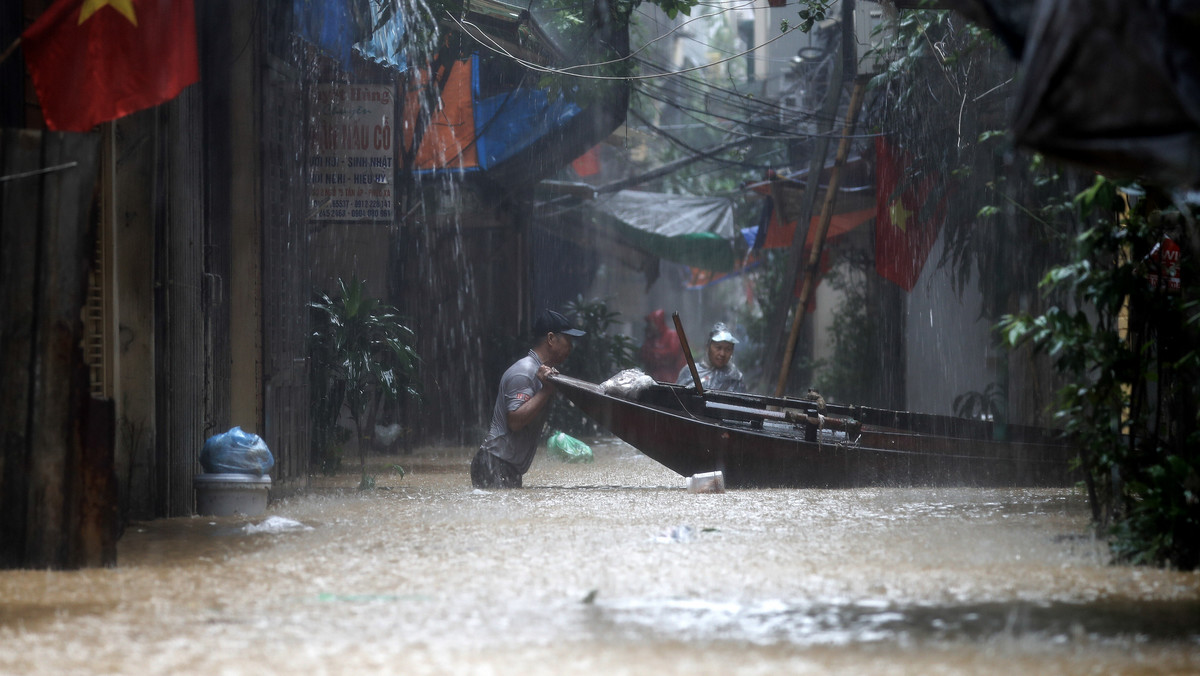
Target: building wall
x,y
246,405
773,60
128,196
950,348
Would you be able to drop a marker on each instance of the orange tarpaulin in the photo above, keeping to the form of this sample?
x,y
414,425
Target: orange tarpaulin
x,y
780,235
854,206
448,142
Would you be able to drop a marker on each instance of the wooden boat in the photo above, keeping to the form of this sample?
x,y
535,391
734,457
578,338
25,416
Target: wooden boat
x,y
760,441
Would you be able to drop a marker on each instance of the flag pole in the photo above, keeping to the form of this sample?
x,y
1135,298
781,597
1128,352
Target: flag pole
x,y
11,48
814,253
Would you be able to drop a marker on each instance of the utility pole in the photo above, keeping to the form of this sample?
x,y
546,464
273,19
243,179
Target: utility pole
x,y
833,98
814,254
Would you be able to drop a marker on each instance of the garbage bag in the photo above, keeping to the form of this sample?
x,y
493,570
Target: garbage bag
x,y
236,452
627,384
386,435
568,449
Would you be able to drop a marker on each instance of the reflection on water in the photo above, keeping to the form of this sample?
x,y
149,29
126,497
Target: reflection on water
x,y
805,624
610,567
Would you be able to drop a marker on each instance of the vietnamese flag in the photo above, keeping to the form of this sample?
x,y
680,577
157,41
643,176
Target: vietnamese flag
x,y
96,60
909,210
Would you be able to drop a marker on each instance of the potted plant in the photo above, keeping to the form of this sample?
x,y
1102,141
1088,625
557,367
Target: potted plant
x,y
362,358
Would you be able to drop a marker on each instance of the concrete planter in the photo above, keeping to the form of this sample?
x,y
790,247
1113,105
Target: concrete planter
x,y
230,494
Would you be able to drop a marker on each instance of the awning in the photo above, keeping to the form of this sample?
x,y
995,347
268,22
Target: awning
x,y
694,231
854,205
1113,86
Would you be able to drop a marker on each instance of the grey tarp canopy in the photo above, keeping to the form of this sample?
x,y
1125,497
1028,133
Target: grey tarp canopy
x,y
1110,84
695,231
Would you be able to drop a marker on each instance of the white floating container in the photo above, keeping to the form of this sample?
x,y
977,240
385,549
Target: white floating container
x,y
230,494
707,482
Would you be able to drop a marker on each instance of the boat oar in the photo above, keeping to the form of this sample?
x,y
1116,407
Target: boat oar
x,y
687,353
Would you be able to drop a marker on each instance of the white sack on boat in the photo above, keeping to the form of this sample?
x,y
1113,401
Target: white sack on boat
x,y
627,384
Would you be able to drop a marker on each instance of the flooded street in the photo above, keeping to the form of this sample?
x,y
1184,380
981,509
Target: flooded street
x,y
610,567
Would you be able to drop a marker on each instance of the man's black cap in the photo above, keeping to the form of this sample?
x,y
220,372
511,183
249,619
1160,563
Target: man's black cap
x,y
550,321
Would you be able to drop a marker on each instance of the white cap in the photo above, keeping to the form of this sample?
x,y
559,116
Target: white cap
x,y
720,334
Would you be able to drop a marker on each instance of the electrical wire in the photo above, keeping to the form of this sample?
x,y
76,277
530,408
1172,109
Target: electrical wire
x,y
499,49
678,28
752,120
775,133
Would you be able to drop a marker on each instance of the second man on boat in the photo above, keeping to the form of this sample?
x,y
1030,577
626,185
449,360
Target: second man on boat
x,y
717,371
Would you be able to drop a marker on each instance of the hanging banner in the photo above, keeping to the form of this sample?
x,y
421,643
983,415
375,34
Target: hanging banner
x,y
909,210
351,162
1163,272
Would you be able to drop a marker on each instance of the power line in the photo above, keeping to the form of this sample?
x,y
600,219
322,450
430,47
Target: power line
x,y
499,49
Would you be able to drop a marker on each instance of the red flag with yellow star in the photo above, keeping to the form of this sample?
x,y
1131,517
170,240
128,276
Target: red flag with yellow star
x,y
96,60
909,210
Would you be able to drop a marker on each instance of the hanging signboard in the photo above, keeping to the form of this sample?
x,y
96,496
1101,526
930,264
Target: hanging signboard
x,y
351,168
1163,273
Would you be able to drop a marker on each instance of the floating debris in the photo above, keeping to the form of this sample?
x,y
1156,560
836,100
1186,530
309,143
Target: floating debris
x,y
676,534
276,524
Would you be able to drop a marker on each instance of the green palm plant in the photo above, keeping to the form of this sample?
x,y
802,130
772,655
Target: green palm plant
x,y
986,404
362,357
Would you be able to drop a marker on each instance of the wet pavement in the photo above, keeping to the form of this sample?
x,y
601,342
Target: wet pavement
x,y
610,567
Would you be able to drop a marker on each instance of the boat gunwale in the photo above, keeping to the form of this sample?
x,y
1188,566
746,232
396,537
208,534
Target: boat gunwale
x,y
1018,448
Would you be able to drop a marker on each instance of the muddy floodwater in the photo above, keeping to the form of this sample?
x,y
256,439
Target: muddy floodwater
x,y
608,568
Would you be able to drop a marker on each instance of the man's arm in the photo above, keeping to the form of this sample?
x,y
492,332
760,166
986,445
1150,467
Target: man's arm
x,y
528,411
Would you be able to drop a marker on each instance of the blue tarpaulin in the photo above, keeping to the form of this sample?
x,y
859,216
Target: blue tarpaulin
x,y
507,123
501,126
333,25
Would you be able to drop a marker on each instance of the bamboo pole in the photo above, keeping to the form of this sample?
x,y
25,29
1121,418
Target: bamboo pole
x,y
814,254
804,217
687,353
10,49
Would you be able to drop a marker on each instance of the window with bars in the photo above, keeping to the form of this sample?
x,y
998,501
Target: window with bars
x,y
95,314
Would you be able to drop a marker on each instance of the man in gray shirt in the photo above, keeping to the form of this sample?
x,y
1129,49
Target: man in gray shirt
x,y
522,406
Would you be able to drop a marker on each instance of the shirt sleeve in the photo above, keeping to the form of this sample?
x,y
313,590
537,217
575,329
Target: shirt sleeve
x,y
519,391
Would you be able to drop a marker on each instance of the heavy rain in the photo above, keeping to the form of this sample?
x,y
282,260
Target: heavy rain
x,y
872,346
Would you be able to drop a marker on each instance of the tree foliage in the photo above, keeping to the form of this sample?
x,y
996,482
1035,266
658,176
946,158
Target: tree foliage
x,y
1128,348
945,104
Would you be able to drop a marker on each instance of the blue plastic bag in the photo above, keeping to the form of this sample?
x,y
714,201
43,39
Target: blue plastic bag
x,y
236,452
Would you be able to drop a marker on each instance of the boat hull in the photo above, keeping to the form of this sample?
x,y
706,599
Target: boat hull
x,y
776,454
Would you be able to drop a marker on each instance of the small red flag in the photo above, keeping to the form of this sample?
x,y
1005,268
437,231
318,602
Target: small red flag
x,y
909,214
587,164
96,60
